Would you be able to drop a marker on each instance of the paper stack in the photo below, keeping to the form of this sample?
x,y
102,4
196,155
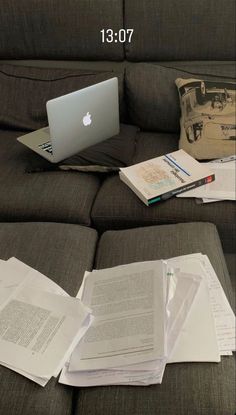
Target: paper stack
x,y
132,333
147,315
40,325
197,340
125,325
223,188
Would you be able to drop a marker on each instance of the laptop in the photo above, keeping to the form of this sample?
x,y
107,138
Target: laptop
x,y
76,121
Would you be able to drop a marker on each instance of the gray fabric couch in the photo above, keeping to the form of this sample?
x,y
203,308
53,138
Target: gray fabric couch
x,y
63,223
63,252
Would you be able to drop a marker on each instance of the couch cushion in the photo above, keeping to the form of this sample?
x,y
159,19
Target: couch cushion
x,y
183,30
63,253
106,156
25,91
49,196
187,388
150,145
152,96
117,207
59,29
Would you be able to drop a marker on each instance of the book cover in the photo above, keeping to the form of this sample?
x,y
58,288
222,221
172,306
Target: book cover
x,y
162,177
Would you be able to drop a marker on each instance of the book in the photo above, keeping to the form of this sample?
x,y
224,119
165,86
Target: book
x,y
162,177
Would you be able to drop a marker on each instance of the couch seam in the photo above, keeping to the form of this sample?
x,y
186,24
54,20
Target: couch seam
x,y
55,79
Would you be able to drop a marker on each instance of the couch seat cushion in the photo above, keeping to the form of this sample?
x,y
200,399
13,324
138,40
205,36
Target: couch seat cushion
x,y
187,388
49,196
62,252
117,207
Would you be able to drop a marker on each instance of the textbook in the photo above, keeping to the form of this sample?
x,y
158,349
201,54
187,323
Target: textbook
x,y
162,177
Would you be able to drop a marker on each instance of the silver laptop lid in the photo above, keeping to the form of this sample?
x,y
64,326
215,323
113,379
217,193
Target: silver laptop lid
x,y
83,118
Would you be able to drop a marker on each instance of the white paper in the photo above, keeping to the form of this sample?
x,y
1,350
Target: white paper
x,y
9,280
110,377
128,325
207,200
144,373
38,329
223,187
43,381
197,341
34,277
13,272
223,315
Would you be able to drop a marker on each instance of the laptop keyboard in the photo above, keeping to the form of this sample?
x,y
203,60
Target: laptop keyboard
x,y
46,147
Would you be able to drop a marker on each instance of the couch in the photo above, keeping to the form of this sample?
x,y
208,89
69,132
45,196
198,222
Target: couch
x,y
63,223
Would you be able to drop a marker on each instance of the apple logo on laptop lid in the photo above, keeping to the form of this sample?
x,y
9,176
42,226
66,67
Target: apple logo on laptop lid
x,y
87,119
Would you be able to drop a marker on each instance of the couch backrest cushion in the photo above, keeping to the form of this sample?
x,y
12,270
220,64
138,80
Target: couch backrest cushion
x,y
181,30
25,91
59,29
151,94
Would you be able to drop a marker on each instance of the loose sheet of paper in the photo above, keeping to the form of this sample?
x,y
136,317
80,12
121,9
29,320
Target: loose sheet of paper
x,y
199,323
223,313
39,330
129,319
224,317
206,200
222,188
14,272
